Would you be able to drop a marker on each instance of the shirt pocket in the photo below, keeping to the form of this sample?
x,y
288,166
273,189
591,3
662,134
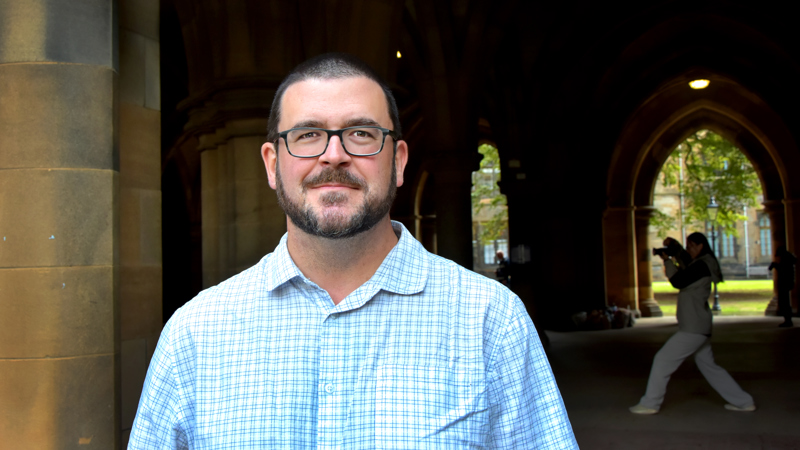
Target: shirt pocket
x,y
430,407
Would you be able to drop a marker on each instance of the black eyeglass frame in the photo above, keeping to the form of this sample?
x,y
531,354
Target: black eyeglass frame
x,y
331,133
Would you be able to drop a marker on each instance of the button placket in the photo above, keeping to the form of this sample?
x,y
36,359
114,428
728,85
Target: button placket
x,y
331,412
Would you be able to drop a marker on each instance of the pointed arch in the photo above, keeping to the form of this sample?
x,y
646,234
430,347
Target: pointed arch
x,y
647,139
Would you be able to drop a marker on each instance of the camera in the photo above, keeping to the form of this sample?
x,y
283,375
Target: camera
x,y
673,249
662,251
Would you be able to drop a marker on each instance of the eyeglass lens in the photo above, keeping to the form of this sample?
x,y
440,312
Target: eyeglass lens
x,y
312,142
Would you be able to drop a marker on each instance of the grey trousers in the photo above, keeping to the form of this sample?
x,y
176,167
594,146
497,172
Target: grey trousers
x,y
679,347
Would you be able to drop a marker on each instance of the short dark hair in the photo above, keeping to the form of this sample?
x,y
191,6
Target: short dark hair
x,y
330,66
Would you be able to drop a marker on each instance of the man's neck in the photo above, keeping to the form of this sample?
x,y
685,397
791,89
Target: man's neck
x,y
340,266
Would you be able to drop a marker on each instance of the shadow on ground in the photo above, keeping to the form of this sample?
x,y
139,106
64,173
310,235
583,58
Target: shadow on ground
x,y
602,373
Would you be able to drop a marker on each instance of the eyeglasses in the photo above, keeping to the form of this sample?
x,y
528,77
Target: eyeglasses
x,y
356,141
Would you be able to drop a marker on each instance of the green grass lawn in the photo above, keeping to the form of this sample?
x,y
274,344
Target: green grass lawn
x,y
736,297
732,286
729,307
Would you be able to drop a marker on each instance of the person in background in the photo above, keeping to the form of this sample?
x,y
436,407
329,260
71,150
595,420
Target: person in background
x,y
784,264
694,332
501,273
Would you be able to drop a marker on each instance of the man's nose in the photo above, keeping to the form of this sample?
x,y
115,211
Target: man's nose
x,y
335,153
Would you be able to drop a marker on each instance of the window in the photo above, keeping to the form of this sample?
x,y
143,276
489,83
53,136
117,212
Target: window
x,y
728,249
489,251
765,233
724,244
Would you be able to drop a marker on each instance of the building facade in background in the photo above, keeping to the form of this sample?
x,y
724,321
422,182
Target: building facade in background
x,y
744,255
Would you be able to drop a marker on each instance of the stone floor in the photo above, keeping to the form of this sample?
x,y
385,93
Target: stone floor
x,y
602,373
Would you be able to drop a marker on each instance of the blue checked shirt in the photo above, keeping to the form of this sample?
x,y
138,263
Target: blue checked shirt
x,y
424,355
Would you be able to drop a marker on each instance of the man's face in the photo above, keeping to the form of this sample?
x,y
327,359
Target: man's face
x,y
335,195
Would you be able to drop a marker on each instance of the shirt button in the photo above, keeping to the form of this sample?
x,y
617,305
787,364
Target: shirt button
x,y
329,388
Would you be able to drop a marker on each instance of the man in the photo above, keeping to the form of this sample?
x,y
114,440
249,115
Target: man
x,y
502,267
349,335
784,265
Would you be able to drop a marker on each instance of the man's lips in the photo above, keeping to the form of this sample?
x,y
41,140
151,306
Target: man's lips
x,y
335,180
333,186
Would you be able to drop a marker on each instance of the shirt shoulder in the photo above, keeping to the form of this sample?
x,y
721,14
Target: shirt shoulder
x,y
465,283
235,297
480,310
486,303
442,280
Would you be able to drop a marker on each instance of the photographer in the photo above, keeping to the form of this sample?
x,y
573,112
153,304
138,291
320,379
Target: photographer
x,y
693,276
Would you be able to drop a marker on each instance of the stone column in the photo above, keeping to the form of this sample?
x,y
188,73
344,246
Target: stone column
x,y
792,208
777,220
242,221
453,182
647,303
619,248
59,339
525,273
140,271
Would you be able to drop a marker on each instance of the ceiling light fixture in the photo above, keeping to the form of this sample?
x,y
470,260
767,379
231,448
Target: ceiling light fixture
x,y
698,84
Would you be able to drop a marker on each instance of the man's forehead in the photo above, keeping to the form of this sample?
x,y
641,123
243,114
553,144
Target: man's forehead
x,y
326,99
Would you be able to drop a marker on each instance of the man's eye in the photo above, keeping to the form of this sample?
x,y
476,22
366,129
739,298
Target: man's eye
x,y
308,135
362,134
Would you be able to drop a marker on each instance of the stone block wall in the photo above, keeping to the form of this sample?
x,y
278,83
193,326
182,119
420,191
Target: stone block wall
x,y
59,228
140,268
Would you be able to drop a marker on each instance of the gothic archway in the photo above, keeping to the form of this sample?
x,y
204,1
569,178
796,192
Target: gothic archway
x,y
656,127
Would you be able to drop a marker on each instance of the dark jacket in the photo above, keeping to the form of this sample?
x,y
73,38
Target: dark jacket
x,y
785,271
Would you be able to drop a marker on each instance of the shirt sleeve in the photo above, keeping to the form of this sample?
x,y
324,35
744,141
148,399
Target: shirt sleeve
x,y
526,406
692,273
157,425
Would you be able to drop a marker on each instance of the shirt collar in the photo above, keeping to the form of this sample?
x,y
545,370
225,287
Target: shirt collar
x,y
405,268
279,266
403,271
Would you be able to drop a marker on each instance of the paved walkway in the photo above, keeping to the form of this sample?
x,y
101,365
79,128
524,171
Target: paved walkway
x,y
602,373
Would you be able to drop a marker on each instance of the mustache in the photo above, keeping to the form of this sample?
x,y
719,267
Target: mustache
x,y
339,176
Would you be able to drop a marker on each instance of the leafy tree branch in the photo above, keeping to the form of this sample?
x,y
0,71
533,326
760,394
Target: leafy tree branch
x,y
714,167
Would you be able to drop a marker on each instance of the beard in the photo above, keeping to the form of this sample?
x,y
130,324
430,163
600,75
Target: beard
x,y
335,225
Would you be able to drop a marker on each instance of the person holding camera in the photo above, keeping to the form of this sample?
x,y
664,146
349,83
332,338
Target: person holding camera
x,y
693,277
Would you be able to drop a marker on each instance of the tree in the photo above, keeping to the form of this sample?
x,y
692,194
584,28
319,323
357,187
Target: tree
x,y
662,222
486,194
714,167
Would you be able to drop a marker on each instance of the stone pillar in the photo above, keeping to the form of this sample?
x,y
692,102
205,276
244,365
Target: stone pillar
x,y
453,182
619,248
777,220
647,303
59,339
241,218
526,273
140,269
792,208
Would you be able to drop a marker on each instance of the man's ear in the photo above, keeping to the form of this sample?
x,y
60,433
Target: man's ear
x,y
270,156
400,160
